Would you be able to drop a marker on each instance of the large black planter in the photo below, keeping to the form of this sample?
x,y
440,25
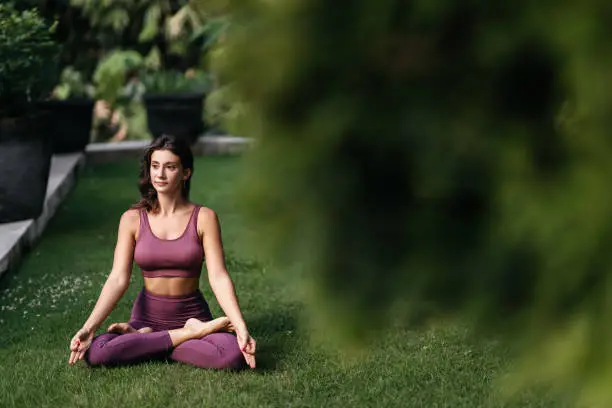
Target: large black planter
x,y
69,123
178,114
25,160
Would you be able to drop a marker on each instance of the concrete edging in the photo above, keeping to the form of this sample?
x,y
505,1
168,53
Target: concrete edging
x,y
205,146
17,237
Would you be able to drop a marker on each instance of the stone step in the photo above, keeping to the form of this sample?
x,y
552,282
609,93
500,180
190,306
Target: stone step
x,y
205,146
17,237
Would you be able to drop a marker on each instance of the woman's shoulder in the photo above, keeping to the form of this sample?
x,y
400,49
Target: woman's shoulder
x,y
205,216
130,219
131,214
203,211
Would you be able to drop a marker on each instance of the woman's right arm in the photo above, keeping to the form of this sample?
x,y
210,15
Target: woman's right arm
x,y
114,288
119,278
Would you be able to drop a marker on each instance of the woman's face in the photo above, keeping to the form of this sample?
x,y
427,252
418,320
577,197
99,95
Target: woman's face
x,y
167,173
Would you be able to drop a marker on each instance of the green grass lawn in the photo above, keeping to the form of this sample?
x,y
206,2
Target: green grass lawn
x,y
48,298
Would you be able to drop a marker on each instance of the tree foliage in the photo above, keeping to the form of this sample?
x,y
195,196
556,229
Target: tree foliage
x,y
28,63
447,155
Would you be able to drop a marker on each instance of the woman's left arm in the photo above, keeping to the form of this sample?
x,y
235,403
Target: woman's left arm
x,y
221,283
220,280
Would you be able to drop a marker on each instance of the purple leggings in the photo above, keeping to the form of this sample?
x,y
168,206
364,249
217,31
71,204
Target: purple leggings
x,y
162,313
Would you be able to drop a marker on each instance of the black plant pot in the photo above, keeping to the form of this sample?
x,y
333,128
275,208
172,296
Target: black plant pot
x,y
25,160
69,123
177,114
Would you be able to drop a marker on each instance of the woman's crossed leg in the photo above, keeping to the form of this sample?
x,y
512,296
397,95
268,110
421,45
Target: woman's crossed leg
x,y
202,344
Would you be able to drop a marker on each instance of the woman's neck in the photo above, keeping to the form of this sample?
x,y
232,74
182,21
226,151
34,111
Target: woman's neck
x,y
170,204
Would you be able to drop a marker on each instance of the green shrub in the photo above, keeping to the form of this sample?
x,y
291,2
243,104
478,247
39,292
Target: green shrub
x,y
113,74
72,85
410,155
174,81
28,67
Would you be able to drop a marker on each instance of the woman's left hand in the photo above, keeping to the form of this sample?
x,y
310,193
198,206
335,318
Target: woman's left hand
x,y
247,345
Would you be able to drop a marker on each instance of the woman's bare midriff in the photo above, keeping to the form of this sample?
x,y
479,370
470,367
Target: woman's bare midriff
x,y
171,286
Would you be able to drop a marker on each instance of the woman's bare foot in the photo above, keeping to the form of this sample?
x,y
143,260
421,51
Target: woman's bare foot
x,y
201,329
124,328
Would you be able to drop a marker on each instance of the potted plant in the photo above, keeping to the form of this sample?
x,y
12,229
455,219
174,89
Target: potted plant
x,y
119,93
70,112
174,102
27,72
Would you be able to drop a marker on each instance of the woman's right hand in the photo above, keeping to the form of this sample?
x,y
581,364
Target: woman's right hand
x,y
247,346
79,345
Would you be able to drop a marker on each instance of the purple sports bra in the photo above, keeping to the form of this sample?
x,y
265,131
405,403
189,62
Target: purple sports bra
x,y
181,257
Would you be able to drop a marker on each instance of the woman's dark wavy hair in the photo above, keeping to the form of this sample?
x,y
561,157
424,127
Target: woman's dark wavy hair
x,y
148,194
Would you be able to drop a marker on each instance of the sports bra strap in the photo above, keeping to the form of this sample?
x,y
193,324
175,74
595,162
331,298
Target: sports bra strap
x,y
193,221
144,223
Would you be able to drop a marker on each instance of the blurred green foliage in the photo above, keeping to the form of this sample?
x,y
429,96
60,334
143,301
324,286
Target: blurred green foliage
x,y
452,157
169,81
145,46
28,63
72,85
113,73
91,29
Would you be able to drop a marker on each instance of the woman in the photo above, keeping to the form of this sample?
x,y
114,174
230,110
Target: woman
x,y
167,236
